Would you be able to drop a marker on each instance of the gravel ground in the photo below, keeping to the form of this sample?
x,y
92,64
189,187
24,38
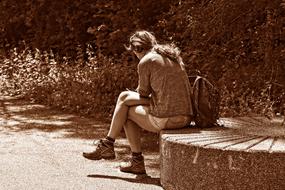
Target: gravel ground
x,y
41,148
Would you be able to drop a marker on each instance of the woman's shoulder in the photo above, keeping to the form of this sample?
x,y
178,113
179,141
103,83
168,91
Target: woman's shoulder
x,y
152,56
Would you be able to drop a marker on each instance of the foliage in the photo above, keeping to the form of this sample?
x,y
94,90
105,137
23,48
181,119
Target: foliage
x,y
239,44
70,54
88,89
63,25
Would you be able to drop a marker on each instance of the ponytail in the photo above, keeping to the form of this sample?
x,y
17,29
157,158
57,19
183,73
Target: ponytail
x,y
170,51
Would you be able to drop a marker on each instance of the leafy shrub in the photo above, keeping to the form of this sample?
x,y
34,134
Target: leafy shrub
x,y
85,88
77,61
238,44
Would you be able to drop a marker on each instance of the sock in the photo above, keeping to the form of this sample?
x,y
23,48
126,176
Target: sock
x,y
137,155
109,141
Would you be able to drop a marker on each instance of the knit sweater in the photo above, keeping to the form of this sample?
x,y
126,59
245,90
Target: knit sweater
x,y
166,83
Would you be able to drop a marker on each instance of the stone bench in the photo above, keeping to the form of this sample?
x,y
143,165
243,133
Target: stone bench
x,y
247,153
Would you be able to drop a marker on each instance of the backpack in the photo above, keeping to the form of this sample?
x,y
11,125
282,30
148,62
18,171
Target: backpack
x,y
206,102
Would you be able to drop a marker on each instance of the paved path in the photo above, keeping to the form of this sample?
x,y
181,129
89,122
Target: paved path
x,y
41,148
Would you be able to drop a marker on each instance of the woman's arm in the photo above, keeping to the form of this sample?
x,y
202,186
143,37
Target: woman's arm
x,y
144,88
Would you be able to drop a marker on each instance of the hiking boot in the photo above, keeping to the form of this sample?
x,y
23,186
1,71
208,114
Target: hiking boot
x,y
135,166
104,150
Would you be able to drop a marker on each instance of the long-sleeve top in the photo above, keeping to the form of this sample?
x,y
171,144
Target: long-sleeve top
x,y
166,83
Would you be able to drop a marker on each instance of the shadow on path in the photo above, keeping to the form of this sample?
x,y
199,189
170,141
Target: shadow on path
x,y
139,179
18,115
21,116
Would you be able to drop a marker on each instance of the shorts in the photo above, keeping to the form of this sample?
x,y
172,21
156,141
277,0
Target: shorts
x,y
174,122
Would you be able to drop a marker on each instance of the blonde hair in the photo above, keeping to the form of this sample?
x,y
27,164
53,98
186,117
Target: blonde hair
x,y
147,41
144,37
170,51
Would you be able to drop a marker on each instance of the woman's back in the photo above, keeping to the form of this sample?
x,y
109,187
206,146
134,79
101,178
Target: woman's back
x,y
169,86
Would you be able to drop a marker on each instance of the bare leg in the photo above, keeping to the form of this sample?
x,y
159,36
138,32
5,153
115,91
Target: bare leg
x,y
125,100
133,133
137,120
140,115
105,148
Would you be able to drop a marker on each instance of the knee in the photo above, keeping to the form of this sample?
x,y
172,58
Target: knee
x,y
123,96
